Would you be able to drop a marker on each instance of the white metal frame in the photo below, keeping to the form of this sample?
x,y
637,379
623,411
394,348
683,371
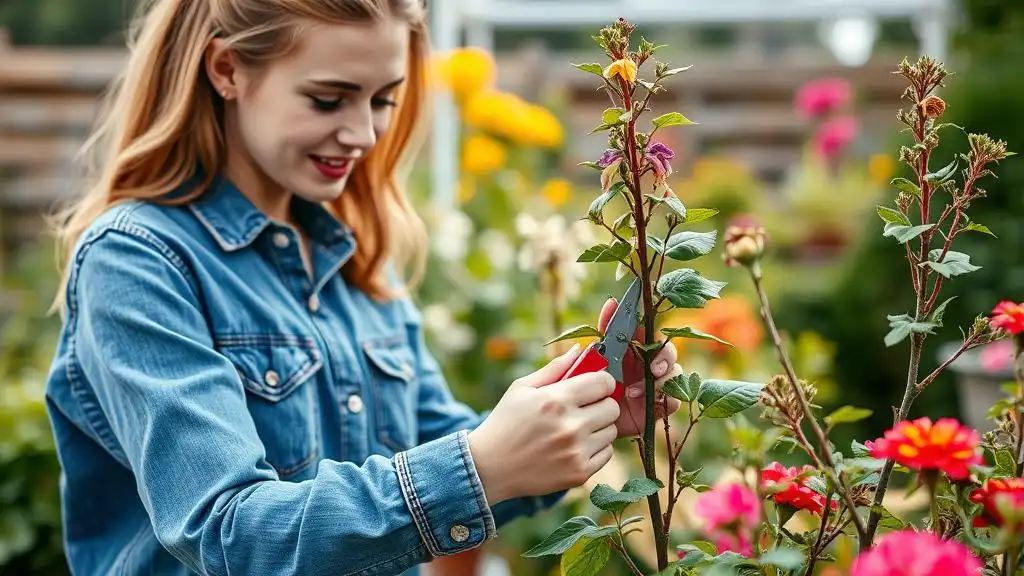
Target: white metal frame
x,y
479,18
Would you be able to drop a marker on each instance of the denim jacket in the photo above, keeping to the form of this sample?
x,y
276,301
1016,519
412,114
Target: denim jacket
x,y
217,411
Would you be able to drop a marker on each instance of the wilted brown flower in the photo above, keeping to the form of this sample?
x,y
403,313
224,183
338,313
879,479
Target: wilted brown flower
x,y
932,107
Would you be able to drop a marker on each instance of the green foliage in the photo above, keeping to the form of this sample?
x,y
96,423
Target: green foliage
x,y
30,533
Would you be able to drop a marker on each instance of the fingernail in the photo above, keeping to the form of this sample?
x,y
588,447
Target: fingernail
x,y
660,368
611,383
634,392
572,350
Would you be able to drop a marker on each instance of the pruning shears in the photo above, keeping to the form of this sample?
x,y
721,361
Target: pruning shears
x,y
609,352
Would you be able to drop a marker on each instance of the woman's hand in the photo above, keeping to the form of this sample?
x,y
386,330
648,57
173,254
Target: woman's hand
x,y
633,403
541,439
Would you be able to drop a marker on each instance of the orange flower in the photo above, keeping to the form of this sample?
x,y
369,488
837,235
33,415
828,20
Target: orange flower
x,y
996,494
1008,315
731,318
945,445
499,348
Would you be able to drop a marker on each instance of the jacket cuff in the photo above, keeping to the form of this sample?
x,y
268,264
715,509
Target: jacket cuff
x,y
441,487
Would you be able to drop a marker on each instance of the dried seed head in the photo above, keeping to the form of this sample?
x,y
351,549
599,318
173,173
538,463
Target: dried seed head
x,y
932,107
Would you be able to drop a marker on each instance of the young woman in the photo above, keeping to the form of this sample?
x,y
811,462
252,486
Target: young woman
x,y
242,385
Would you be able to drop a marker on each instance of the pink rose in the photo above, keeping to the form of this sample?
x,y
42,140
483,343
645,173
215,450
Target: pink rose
x,y
912,553
730,513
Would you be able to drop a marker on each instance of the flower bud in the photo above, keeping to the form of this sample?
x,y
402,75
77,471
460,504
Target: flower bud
x,y
932,107
743,245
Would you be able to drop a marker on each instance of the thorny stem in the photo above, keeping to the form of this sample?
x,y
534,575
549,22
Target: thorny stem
x,y
919,275
649,463
826,454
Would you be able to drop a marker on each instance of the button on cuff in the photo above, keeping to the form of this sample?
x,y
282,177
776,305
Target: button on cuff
x,y
444,495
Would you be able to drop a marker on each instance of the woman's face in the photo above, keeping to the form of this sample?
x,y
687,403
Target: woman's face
x,y
311,116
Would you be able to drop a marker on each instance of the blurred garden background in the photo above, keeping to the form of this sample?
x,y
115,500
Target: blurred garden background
x,y
795,108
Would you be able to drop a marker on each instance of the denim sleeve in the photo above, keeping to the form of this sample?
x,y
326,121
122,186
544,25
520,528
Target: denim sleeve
x,y
174,411
441,414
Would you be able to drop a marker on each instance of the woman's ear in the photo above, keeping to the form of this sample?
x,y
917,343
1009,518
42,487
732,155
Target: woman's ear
x,y
222,69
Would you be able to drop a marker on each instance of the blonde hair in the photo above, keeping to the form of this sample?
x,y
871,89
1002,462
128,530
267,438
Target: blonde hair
x,y
161,123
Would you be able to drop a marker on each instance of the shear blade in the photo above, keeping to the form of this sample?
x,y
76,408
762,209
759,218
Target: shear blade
x,y
620,330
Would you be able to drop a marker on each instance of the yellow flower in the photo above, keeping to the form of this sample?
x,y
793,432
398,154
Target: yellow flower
x,y
466,71
509,116
880,168
557,191
482,155
625,68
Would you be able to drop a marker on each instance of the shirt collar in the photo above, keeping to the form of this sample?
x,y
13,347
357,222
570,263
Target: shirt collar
x,y
235,222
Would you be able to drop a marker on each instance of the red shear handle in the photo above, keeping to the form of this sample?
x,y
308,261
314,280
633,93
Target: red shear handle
x,y
590,360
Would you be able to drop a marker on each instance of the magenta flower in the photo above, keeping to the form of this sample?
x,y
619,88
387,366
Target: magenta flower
x,y
834,136
912,553
659,155
730,512
820,97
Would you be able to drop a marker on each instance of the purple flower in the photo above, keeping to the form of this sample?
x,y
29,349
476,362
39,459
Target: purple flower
x,y
609,156
658,155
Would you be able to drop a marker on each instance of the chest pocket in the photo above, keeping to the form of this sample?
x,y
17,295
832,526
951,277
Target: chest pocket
x,y
278,372
393,378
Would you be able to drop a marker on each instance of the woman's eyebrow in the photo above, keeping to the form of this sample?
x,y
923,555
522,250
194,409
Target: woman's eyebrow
x,y
352,86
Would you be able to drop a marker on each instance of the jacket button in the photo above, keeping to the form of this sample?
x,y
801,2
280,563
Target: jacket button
x,y
271,378
460,533
355,404
281,240
314,303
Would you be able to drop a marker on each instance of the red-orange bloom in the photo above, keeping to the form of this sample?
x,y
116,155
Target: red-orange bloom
x,y
794,492
1009,316
1008,491
921,445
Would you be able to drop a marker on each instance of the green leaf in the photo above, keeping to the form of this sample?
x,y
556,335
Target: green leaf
x,y
903,325
615,252
699,214
690,245
724,398
675,71
656,244
944,174
596,211
691,333
611,115
975,227
566,535
907,186
686,288
591,164
688,479
683,387
671,119
592,67
1006,464
584,331
859,450
888,520
611,500
847,415
904,234
622,225
953,264
890,216
940,311
587,557
676,205
785,558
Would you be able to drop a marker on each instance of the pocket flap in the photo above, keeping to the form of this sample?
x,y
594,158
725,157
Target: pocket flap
x,y
271,366
391,357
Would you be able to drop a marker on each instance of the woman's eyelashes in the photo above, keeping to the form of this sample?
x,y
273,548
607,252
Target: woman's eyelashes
x,y
333,104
